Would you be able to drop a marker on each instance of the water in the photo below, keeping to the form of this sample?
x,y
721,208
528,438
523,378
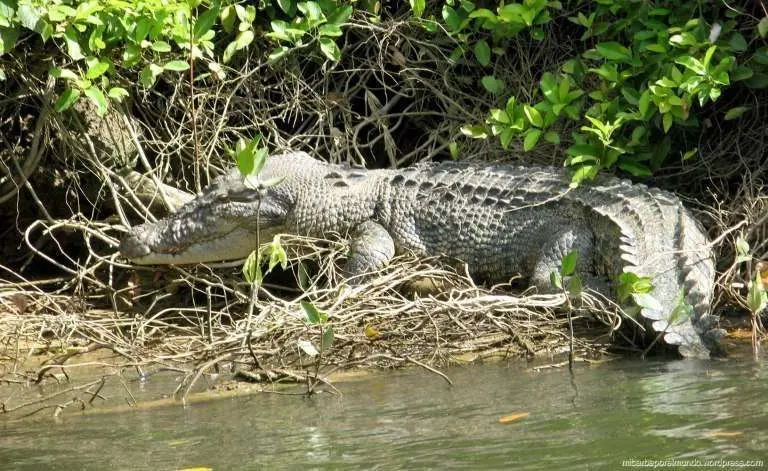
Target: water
x,y
606,414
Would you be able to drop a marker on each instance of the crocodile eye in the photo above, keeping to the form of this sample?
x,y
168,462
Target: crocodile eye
x,y
244,196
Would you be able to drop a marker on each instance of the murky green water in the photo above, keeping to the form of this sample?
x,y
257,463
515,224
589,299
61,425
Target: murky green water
x,y
608,413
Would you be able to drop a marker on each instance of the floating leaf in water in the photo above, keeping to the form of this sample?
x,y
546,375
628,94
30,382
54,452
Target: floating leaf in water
x,y
507,419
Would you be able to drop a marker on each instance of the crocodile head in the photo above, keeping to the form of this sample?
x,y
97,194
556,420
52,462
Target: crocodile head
x,y
221,224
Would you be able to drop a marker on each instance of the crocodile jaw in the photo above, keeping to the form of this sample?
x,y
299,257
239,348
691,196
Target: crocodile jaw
x,y
143,249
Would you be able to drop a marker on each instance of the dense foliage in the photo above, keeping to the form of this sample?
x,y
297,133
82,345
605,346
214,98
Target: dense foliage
x,y
646,67
643,68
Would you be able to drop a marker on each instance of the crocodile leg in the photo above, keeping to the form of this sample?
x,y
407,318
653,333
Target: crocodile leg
x,y
560,243
371,248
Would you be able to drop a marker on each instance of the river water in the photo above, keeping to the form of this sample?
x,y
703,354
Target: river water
x,y
613,415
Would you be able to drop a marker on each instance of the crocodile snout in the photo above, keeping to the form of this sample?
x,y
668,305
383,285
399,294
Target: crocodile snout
x,y
132,247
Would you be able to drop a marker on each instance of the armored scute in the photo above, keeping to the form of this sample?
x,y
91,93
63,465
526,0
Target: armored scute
x,y
501,220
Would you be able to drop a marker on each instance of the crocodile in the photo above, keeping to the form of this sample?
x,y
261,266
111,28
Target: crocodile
x,y
501,220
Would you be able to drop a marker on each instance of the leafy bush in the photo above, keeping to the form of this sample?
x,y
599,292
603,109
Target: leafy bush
x,y
643,70
646,67
157,37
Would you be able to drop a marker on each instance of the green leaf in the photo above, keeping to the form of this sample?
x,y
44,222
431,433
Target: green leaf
x,y
330,30
500,116
584,149
483,52
67,74
304,277
635,168
244,38
131,55
98,98
493,85
483,13
117,93
741,72
608,71
506,137
418,6
533,115
314,315
259,158
575,286
556,279
666,121
757,299
643,102
277,254
736,112
681,312
549,87
229,51
330,49
73,44
647,301
177,66
340,15
614,51
475,131
630,94
205,22
757,81
278,53
8,37
149,74
66,99
287,6
312,11
453,147
642,284
737,42
246,156
659,48
552,137
252,268
28,16
279,30
683,39
328,337
580,159
451,18
708,55
161,46
513,13
96,67
691,63
762,27
742,247
584,172
569,263
531,138
690,153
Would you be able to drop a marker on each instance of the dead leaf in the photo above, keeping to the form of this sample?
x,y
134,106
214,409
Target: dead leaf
x,y
513,417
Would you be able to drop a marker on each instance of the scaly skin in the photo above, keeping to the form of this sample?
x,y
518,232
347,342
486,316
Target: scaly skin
x,y
500,220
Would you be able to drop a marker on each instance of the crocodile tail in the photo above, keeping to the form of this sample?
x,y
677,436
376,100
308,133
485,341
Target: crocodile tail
x,y
685,291
697,269
658,238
